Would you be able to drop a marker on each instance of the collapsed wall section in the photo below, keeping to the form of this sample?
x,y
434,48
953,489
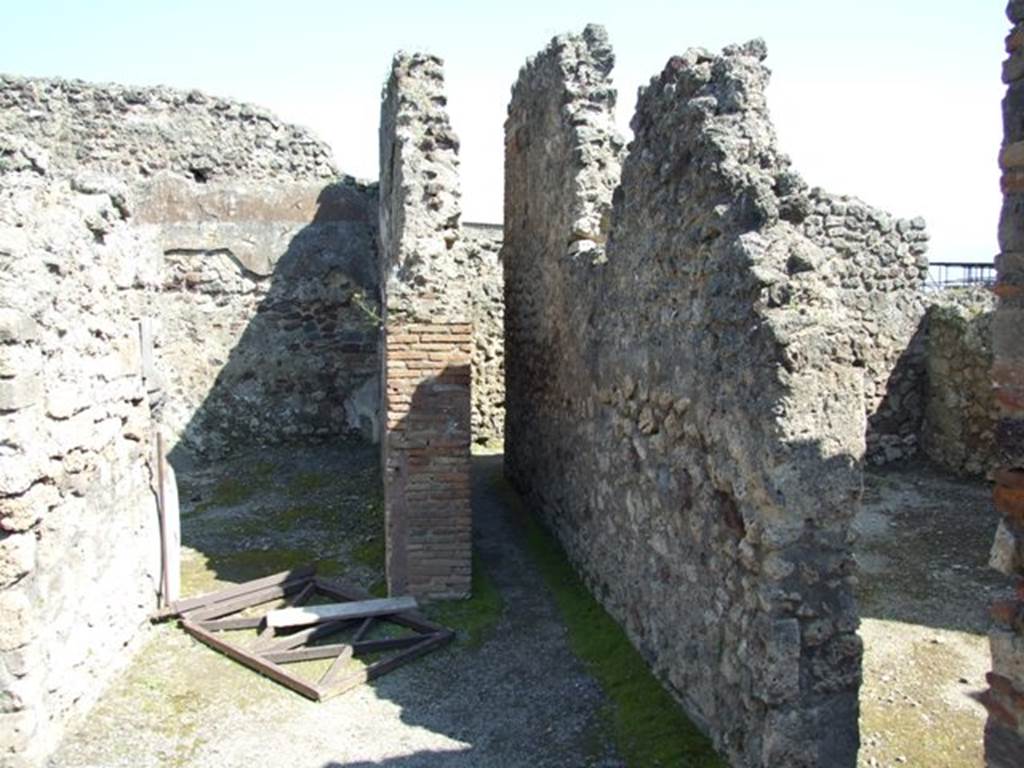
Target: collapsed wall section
x,y
427,338
683,406
79,542
1004,730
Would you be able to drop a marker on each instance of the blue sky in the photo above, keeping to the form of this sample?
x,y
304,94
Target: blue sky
x,y
895,102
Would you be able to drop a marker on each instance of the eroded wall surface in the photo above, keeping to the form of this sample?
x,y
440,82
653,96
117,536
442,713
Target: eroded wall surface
x,y
1004,731
482,246
136,132
683,403
427,338
958,431
79,542
266,328
160,249
267,325
878,265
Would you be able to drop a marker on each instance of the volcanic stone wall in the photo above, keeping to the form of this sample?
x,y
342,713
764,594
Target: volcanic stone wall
x,y
267,317
1004,731
960,416
79,543
132,132
266,327
878,265
482,246
683,406
427,338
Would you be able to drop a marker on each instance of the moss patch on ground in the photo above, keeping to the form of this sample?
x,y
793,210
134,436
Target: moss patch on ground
x,y
648,725
473,619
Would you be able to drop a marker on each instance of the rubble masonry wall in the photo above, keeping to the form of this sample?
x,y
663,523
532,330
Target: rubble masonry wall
x,y
683,403
1004,730
79,541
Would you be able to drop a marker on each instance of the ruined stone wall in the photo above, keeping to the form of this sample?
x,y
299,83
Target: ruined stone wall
x,y
1004,731
267,325
427,338
266,330
878,265
960,413
482,245
683,406
79,543
132,132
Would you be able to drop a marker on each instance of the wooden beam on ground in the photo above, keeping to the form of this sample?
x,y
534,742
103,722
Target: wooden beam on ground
x,y
378,668
266,633
252,661
316,632
318,614
363,629
219,625
334,671
412,619
242,602
314,652
179,607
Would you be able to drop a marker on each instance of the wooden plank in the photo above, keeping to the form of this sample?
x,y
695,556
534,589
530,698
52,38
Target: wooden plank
x,y
179,607
318,614
219,625
313,652
363,629
308,653
252,661
378,668
242,602
330,677
171,519
267,632
316,632
412,619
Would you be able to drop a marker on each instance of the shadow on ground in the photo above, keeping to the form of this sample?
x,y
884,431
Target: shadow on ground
x,y
924,591
508,692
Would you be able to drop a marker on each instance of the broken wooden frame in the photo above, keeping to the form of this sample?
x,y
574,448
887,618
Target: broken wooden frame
x,y
208,617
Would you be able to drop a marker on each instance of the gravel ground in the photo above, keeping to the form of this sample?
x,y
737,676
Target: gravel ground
x,y
519,698
925,586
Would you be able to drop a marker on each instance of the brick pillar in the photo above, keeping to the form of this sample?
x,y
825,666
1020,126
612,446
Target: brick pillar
x,y
1004,731
427,338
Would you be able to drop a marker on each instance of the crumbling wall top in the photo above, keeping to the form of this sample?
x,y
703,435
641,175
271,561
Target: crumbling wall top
x,y
133,132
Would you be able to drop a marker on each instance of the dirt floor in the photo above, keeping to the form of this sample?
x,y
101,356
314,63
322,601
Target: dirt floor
x,y
924,589
510,692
